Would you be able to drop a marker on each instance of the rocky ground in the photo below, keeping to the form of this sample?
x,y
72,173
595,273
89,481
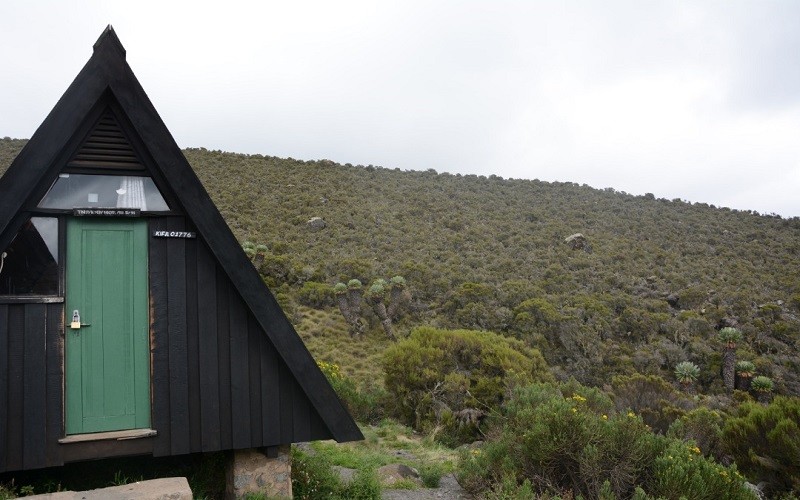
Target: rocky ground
x,y
448,488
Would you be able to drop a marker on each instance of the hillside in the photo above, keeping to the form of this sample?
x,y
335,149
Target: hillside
x,y
659,280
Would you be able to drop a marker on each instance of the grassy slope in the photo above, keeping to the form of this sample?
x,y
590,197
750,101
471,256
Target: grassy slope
x,y
441,231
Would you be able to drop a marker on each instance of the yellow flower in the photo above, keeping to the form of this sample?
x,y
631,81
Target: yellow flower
x,y
605,417
574,410
631,414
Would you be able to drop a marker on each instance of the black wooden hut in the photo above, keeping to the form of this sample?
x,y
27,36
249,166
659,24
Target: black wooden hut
x,y
131,321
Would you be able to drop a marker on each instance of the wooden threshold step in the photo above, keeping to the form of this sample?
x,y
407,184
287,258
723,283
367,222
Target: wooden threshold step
x,y
116,435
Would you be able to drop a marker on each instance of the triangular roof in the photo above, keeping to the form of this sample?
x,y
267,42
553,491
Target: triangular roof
x,y
107,94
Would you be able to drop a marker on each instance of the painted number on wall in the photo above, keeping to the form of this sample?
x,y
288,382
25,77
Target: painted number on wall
x,y
174,234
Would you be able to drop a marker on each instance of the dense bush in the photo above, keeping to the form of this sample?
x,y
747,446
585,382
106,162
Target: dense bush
x,y
315,294
557,442
550,439
451,378
681,471
658,403
365,404
702,426
765,442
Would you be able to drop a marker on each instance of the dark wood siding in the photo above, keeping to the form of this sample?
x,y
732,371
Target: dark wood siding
x,y
218,383
227,387
31,375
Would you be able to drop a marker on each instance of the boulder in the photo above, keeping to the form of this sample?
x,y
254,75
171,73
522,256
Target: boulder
x,y
316,223
345,474
673,300
578,241
392,473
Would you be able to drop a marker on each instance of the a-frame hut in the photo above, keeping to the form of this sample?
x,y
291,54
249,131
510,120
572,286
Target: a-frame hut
x,y
131,320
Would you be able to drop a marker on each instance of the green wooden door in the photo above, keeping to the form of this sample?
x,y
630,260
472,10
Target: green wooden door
x,y
107,374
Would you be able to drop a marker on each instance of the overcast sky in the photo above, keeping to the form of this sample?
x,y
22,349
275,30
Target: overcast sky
x,y
698,100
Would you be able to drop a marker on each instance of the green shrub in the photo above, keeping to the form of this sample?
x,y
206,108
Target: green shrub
x,y
765,442
442,377
681,471
313,477
702,426
365,404
556,441
315,294
365,485
651,397
276,269
431,474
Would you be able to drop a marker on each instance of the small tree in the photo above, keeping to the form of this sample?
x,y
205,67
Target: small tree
x,y
398,296
687,372
260,252
350,316
744,374
349,298
354,288
375,296
763,388
729,337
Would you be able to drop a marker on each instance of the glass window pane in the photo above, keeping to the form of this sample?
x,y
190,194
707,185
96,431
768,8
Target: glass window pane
x,y
29,266
104,191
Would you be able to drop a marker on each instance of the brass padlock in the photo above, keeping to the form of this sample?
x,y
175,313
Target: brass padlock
x,y
76,320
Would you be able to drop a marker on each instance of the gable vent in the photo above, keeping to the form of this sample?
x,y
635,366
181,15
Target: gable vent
x,y
107,147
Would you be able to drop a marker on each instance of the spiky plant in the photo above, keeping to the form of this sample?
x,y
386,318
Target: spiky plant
x,y
744,374
375,292
762,386
398,281
729,336
687,372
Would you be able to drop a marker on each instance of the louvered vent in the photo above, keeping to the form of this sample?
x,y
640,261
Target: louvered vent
x,y
107,147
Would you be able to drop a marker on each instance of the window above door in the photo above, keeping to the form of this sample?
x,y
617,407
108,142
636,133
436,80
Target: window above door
x,y
104,191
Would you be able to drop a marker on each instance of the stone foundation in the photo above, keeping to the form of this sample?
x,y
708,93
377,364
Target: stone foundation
x,y
266,470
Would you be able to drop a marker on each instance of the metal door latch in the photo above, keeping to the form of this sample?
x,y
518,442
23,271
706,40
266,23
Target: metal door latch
x,y
76,321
